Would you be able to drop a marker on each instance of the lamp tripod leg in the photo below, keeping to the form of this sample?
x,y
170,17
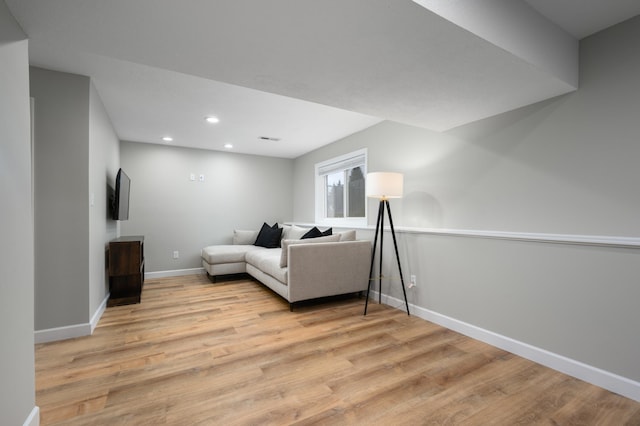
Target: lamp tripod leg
x,y
373,254
381,251
395,245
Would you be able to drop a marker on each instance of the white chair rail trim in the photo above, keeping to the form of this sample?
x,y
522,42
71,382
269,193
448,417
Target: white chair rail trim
x,y
592,240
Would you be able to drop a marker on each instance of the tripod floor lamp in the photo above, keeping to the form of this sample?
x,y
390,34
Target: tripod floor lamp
x,y
384,185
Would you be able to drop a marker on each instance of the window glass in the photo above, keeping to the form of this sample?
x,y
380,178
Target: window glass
x,y
334,193
340,190
356,199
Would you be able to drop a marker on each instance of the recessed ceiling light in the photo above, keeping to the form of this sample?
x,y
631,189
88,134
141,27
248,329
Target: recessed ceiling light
x,y
167,138
228,145
212,119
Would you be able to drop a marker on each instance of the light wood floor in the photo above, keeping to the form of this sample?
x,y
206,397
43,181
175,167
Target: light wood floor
x,y
231,353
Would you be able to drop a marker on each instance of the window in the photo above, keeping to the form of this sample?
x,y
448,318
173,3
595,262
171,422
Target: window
x,y
340,190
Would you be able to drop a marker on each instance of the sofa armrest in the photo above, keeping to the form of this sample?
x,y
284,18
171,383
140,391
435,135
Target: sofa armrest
x,y
327,269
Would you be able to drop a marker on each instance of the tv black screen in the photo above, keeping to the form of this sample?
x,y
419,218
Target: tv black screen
x,y
121,199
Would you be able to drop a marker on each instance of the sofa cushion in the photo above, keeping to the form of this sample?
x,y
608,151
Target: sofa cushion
x,y
286,243
296,232
226,253
285,232
268,261
242,237
347,235
269,236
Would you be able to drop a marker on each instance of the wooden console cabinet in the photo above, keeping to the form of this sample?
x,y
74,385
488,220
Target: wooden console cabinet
x,y
126,270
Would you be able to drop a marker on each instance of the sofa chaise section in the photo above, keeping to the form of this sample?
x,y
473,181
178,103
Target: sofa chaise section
x,y
226,259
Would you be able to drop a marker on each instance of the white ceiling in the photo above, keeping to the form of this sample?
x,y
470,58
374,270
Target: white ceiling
x,y
581,18
306,72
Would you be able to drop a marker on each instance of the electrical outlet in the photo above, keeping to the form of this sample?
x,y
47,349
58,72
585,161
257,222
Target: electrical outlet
x,y
176,254
412,281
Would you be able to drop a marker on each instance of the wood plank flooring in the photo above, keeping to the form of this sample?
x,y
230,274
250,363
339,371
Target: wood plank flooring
x,y
196,353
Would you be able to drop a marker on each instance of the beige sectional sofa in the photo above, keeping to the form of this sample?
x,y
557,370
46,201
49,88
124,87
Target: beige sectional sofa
x,y
300,269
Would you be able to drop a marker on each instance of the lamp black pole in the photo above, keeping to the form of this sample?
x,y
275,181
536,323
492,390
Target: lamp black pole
x,y
380,230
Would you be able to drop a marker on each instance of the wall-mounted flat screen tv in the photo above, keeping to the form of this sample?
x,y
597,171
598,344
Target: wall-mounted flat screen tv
x,y
121,198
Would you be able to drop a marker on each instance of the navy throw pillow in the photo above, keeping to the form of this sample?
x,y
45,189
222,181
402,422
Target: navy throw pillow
x,y
312,233
269,236
315,233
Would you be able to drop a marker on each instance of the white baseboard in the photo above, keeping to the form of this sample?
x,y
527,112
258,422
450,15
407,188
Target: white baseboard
x,y
596,376
96,317
62,333
71,331
174,273
34,417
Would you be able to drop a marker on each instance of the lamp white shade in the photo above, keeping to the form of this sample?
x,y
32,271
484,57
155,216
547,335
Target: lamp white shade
x,y
384,185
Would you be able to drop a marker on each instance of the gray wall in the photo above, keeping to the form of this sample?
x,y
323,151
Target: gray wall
x,y
75,160
565,166
17,383
104,160
176,214
61,154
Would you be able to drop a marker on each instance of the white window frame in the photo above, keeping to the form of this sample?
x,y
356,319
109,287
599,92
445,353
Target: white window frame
x,y
332,165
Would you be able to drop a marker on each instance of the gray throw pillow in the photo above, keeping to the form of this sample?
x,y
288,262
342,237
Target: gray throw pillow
x,y
244,237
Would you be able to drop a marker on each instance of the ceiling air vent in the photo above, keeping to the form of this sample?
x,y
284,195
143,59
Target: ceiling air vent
x,y
267,138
